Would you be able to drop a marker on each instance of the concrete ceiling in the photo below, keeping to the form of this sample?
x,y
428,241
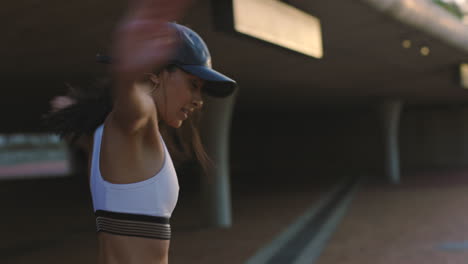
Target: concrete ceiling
x,y
46,44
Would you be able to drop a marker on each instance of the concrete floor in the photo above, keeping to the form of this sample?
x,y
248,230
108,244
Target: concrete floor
x,y
423,220
51,221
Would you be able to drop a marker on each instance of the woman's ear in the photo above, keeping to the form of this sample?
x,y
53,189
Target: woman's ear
x,y
149,78
155,79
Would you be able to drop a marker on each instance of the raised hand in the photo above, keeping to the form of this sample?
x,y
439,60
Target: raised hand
x,y
143,40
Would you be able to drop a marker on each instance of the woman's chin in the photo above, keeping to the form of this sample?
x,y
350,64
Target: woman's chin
x,y
176,124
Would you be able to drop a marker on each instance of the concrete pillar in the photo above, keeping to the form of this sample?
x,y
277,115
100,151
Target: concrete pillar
x,y
215,128
390,113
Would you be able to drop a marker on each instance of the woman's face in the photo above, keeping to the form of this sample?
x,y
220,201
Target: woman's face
x,y
178,96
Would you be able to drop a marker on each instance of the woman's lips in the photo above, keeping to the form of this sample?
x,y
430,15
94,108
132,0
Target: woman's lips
x,y
185,113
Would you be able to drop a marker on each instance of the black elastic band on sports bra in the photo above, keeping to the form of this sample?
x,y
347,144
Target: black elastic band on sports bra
x,y
133,225
135,217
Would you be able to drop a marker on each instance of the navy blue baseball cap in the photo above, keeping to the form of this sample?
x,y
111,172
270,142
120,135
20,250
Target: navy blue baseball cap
x,y
192,56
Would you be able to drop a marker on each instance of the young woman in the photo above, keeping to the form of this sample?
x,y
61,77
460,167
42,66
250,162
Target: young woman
x,y
160,72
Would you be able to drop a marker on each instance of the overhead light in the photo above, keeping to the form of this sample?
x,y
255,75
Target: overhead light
x,y
464,75
406,43
279,23
424,50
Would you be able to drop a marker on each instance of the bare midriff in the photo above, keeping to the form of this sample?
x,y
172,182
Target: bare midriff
x,y
118,249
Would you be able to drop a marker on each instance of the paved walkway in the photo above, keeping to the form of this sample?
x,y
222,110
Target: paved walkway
x,y
50,221
421,221
424,220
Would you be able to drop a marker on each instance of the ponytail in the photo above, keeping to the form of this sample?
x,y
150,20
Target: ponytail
x,y
89,108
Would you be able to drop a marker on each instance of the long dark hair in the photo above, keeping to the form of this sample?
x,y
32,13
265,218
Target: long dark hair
x,y
92,104
89,108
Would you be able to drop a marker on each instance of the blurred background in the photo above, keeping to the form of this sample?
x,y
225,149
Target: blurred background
x,y
347,141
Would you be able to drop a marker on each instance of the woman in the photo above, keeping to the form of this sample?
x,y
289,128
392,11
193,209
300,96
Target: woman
x,y
160,71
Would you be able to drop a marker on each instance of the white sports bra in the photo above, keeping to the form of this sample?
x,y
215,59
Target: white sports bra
x,y
135,209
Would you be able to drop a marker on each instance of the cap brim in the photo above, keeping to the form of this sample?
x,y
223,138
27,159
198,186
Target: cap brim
x,y
217,84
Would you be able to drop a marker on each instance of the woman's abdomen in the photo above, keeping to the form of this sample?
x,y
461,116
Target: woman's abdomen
x,y
117,249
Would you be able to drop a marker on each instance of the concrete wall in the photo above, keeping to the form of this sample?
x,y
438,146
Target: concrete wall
x,y
434,137
303,145
323,144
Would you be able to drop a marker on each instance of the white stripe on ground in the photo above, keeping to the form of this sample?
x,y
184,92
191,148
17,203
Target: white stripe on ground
x,y
268,251
317,244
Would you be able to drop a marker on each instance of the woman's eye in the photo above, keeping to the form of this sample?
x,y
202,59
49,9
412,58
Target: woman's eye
x,y
195,85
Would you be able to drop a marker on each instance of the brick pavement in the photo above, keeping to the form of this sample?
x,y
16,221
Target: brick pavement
x,y
406,224
423,220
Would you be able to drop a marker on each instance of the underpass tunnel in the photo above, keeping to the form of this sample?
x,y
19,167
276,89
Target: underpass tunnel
x,y
367,139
